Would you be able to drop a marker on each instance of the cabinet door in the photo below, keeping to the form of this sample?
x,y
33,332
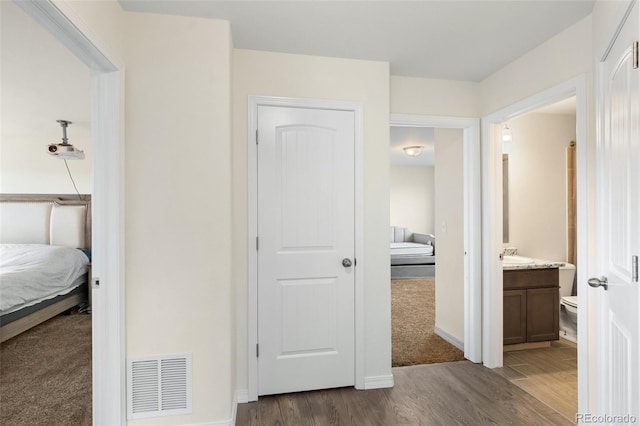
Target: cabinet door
x,y
514,316
543,314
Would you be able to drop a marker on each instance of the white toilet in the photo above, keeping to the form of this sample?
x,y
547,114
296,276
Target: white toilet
x,y
568,304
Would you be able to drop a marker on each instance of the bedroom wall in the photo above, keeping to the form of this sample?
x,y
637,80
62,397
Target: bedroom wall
x,y
32,100
537,184
270,74
411,191
178,203
449,224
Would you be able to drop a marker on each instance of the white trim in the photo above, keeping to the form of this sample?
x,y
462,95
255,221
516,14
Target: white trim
x,y
449,338
492,223
107,123
378,382
472,224
252,226
242,396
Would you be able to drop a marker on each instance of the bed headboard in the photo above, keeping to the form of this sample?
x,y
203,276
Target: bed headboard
x,y
54,219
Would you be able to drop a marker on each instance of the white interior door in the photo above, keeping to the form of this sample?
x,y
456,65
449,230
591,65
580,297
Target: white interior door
x,y
619,233
306,262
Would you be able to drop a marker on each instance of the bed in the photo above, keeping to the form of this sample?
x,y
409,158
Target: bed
x,y
45,243
412,254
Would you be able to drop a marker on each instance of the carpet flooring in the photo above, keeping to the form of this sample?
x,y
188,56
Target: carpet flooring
x,y
45,374
412,323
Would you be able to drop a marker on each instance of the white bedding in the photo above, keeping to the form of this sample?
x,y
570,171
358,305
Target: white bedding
x,y
411,249
31,273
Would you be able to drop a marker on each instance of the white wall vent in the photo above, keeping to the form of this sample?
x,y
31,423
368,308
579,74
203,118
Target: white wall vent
x,y
159,386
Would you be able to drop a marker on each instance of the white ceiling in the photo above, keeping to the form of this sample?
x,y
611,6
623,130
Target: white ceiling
x,y
565,107
456,40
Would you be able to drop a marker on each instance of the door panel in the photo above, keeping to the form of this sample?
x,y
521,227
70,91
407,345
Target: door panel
x,y
619,191
305,227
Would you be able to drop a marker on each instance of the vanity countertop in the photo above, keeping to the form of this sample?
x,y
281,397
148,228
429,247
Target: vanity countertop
x,y
517,262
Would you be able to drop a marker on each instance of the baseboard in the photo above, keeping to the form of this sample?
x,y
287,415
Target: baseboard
x,y
449,338
378,382
240,396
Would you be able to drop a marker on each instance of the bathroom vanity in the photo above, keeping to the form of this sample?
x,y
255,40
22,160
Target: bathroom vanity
x,y
531,303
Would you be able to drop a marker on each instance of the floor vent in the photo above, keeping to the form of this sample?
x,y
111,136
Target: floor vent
x,y
159,386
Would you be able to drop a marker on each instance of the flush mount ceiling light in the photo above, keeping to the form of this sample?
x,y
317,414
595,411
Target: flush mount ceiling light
x,y
413,151
506,134
64,150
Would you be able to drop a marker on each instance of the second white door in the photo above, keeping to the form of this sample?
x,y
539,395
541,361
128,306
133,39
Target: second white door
x,y
306,262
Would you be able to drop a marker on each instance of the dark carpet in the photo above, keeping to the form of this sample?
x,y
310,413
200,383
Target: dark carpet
x,y
412,323
45,374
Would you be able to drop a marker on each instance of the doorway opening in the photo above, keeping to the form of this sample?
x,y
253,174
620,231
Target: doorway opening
x,y
462,329
498,297
427,297
539,254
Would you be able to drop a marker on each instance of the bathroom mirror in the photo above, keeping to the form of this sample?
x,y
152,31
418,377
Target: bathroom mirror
x,y
505,198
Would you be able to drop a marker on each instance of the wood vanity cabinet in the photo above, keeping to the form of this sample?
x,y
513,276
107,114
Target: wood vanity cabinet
x,y
531,305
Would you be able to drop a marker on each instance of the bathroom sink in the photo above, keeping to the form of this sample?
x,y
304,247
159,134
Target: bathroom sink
x,y
518,260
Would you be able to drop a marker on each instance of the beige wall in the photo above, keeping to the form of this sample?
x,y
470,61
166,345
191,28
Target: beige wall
x,y
412,198
41,82
449,223
557,60
425,96
178,202
299,76
537,184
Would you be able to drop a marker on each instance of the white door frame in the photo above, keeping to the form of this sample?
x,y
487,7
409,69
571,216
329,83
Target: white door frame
x,y
252,171
472,223
107,132
492,223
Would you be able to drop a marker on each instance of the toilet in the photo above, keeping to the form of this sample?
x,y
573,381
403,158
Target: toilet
x,y
568,303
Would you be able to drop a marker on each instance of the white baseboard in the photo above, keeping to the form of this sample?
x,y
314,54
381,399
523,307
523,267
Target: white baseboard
x,y
378,382
449,338
240,396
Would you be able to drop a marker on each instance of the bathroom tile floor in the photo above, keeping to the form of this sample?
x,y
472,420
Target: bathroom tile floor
x,y
549,374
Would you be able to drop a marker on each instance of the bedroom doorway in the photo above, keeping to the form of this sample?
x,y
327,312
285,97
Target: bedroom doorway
x,y
426,197
455,223
62,20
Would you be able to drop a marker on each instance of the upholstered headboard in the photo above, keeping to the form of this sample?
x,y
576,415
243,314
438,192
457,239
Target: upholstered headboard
x,y
61,220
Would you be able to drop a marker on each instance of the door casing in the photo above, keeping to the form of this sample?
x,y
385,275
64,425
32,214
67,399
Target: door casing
x,y
107,132
252,158
492,224
472,224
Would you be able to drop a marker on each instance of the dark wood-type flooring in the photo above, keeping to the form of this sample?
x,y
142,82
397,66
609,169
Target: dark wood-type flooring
x,y
549,374
455,393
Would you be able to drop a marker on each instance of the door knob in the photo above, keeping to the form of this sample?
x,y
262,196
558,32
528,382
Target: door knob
x,y
599,282
346,262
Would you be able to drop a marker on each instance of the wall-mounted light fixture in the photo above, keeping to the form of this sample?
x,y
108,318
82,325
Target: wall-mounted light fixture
x,y
506,134
413,151
64,150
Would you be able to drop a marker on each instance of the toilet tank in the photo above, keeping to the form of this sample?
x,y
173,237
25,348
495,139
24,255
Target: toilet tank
x,y
566,275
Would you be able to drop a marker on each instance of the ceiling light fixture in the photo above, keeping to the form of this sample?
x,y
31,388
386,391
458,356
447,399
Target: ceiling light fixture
x,y
413,151
64,150
506,134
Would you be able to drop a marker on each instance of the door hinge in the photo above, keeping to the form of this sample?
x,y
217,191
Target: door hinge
x,y
257,350
355,262
256,136
636,55
257,243
634,269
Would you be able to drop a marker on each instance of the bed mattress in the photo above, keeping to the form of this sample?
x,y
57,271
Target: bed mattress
x,y
408,253
33,273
